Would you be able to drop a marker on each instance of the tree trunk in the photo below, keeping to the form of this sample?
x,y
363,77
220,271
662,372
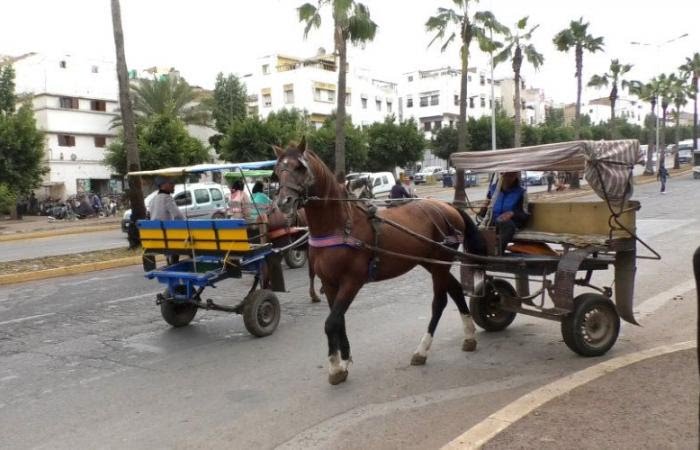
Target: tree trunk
x,y
676,161
133,163
575,183
341,47
695,113
649,169
662,138
517,63
613,101
460,196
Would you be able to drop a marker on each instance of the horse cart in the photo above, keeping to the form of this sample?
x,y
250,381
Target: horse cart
x,y
561,246
213,250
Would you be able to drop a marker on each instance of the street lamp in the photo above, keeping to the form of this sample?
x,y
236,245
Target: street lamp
x,y
658,100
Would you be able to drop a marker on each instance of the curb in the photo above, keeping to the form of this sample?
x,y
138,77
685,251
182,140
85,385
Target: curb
x,y
57,232
68,270
487,429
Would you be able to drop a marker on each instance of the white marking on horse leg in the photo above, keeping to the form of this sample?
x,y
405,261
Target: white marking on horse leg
x,y
421,354
469,344
337,364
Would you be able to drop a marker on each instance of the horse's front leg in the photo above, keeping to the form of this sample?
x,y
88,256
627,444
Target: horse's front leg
x,y
339,358
421,354
454,288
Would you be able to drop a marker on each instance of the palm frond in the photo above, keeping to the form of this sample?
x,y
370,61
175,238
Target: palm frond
x,y
447,42
533,56
503,55
598,81
522,23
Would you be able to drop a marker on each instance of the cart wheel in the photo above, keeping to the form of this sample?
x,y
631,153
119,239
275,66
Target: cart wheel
x,y
486,311
295,258
177,314
149,262
592,329
261,313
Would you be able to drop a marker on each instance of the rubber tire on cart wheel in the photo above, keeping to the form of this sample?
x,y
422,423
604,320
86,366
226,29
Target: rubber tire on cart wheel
x,y
261,313
592,328
295,258
177,314
486,312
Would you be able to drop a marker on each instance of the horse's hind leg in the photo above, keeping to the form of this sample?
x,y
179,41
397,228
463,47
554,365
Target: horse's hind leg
x,y
312,291
439,302
454,288
338,344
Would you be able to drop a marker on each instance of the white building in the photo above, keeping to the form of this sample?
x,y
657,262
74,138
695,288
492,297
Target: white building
x,y
284,82
532,101
431,97
74,102
633,111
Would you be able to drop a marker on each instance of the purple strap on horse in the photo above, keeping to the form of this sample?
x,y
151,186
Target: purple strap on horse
x,y
335,240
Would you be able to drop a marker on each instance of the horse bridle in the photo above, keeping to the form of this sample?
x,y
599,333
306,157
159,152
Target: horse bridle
x,y
301,190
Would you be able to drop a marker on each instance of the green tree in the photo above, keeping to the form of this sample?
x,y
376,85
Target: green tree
x,y
480,132
289,125
517,45
351,22
692,69
248,139
647,92
393,144
612,78
450,25
444,143
21,144
322,142
227,104
133,163
679,92
554,117
577,37
163,141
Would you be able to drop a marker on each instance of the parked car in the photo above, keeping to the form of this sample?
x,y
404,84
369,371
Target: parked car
x,y
195,200
381,182
425,172
534,178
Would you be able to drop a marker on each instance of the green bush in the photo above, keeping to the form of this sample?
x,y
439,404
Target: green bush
x,y
8,199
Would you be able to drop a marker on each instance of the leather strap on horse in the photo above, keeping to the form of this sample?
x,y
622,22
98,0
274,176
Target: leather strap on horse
x,y
375,221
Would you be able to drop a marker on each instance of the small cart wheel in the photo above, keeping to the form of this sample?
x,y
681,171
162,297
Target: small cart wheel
x,y
592,328
177,314
295,258
486,311
261,313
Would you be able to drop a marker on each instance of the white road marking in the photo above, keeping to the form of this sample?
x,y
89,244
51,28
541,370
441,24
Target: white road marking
x,y
8,378
484,431
133,297
651,305
23,319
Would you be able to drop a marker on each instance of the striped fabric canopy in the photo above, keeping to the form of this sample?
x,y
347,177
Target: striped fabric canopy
x,y
607,165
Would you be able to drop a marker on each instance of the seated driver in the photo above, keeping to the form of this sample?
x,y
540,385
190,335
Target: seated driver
x,y
509,212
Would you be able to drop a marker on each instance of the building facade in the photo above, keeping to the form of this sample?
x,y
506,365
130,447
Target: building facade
x,y
532,101
284,82
74,102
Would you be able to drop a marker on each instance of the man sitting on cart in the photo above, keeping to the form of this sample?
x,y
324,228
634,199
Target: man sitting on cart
x,y
163,207
509,209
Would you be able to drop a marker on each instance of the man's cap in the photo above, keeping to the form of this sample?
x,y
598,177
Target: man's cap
x,y
159,181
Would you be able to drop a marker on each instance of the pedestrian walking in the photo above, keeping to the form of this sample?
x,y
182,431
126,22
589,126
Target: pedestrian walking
x,y
662,176
550,180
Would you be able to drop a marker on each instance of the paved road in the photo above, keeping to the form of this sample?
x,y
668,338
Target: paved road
x,y
61,245
86,361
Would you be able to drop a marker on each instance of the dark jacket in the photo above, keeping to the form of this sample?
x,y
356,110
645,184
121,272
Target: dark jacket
x,y
398,191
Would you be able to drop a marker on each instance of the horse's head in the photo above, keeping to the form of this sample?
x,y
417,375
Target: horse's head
x,y
294,175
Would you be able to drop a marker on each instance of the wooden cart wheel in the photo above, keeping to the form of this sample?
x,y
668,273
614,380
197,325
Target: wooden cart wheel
x,y
177,314
295,258
592,328
261,313
486,311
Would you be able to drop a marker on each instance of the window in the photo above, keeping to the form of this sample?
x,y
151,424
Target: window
x,y
364,102
201,196
410,78
434,99
482,102
469,78
95,69
100,141
385,180
409,102
65,140
424,101
426,126
490,103
267,100
266,69
389,107
288,95
377,182
348,102
471,102
98,105
488,80
482,80
331,96
68,102
62,64
452,123
379,104
437,125
216,195
183,198
456,99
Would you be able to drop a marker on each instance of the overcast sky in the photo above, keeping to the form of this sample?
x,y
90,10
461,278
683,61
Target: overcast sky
x,y
201,38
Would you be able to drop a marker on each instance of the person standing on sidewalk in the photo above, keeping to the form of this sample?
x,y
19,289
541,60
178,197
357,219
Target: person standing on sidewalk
x,y
550,180
662,176
163,207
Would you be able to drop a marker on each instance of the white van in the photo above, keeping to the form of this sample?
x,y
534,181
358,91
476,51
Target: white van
x,y
382,182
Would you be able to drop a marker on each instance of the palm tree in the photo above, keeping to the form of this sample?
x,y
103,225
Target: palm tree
x,y
351,21
692,68
449,25
664,85
612,78
133,163
515,46
680,91
647,92
577,37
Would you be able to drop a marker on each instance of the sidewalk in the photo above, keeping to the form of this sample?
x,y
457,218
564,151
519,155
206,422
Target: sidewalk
x,y
39,226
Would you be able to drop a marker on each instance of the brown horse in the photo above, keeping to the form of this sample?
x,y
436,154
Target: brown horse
x,y
350,246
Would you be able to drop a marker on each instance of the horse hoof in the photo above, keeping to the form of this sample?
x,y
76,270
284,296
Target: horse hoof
x,y
469,345
338,377
315,300
418,360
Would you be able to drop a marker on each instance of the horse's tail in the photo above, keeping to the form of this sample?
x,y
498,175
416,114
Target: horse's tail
x,y
473,240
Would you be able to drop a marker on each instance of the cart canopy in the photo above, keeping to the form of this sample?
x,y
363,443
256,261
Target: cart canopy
x,y
607,165
199,168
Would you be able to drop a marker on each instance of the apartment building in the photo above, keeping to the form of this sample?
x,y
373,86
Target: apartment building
x,y
598,109
532,101
74,102
310,84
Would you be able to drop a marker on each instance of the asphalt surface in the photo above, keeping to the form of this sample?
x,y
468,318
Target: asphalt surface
x,y
86,361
